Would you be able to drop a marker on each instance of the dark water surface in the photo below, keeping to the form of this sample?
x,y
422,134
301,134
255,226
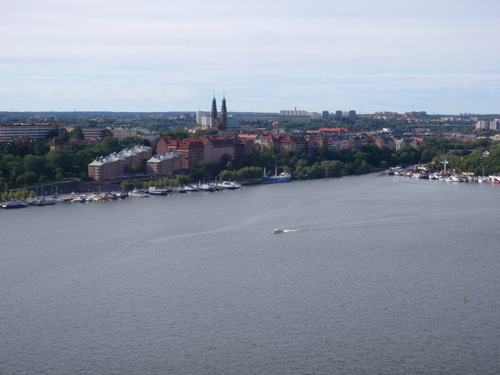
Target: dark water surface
x,y
373,276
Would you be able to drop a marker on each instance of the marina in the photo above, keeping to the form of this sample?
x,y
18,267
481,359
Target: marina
x,y
412,172
421,172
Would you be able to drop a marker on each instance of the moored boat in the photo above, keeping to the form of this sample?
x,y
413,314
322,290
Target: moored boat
x,y
79,199
230,185
180,189
153,190
191,188
206,187
138,194
120,194
276,178
16,204
43,202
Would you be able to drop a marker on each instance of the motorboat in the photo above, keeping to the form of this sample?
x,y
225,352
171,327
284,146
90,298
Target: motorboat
x,y
277,231
206,187
138,194
230,185
191,188
153,190
79,199
120,194
180,189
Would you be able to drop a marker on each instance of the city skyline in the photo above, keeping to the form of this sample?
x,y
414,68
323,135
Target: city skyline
x,y
157,56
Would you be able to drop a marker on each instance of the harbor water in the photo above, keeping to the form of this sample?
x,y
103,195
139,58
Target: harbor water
x,y
372,275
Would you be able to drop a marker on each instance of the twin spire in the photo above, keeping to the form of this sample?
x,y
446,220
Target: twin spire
x,y
222,124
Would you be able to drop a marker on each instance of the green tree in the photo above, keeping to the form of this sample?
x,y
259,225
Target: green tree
x,y
332,168
226,175
182,180
61,160
77,132
127,185
34,164
41,148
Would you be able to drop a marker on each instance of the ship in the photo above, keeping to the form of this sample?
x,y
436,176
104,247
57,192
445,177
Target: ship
x,y
14,205
282,177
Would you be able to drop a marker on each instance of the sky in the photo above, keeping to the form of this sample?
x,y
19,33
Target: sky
x,y
439,56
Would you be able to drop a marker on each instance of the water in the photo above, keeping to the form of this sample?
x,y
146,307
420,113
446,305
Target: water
x,y
372,276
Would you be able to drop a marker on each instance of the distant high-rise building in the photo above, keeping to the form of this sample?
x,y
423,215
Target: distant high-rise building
x,y
495,124
338,115
325,115
352,115
199,116
481,125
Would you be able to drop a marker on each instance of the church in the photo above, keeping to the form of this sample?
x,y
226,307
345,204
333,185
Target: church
x,y
223,123
215,122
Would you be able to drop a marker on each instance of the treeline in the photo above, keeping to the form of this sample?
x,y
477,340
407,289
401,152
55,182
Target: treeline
x,y
397,125
27,164
325,162
23,164
462,156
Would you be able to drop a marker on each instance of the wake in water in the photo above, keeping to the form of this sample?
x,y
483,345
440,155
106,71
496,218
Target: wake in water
x,y
279,230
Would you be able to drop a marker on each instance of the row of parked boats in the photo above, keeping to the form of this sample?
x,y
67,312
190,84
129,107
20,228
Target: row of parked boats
x,y
137,193
425,173
154,190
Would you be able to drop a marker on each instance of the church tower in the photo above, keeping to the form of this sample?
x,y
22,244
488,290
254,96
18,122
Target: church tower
x,y
223,115
213,114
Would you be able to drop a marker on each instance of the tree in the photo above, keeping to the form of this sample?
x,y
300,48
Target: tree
x,y
77,132
182,180
41,148
127,185
34,164
61,160
226,175
178,133
332,168
225,160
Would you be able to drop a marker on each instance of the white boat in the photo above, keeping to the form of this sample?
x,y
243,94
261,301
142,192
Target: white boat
x,y
138,194
120,194
453,178
230,185
206,187
191,188
158,191
79,199
277,231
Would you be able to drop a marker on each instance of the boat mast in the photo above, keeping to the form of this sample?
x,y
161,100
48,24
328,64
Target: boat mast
x,y
445,162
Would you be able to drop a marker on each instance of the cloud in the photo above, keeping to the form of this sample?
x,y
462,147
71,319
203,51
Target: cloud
x,y
283,49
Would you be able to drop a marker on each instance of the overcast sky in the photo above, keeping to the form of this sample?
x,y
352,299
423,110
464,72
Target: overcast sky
x,y
440,56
